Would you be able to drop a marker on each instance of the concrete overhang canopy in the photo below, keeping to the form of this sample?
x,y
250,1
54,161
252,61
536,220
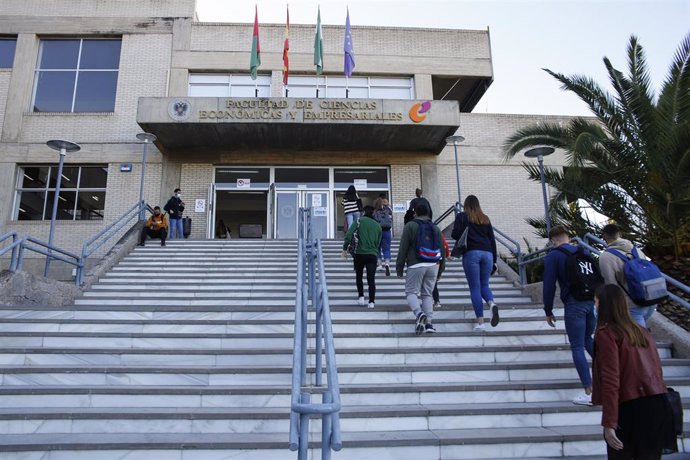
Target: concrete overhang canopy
x,y
298,124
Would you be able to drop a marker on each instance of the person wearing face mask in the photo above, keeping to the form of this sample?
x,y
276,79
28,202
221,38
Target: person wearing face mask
x,y
156,227
174,207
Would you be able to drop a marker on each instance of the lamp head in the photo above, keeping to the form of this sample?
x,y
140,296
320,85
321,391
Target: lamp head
x,y
147,137
539,152
62,145
455,140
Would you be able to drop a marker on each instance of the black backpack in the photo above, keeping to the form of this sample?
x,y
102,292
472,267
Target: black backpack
x,y
583,273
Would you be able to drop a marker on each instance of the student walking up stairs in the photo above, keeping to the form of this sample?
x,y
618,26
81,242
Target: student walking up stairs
x,y
184,352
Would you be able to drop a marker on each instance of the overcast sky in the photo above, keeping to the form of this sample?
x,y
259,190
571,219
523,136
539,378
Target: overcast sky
x,y
562,35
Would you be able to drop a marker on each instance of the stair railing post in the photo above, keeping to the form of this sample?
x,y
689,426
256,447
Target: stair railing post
x,y
326,429
304,430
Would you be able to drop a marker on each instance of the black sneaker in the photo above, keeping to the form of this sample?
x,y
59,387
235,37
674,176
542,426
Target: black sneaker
x,y
162,243
419,323
494,316
388,270
429,328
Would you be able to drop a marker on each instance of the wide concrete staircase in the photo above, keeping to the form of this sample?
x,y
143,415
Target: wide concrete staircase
x,y
185,352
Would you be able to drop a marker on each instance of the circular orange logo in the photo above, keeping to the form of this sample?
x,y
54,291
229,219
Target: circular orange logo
x,y
418,111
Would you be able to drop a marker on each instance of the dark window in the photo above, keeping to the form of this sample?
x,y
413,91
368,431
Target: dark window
x,y
259,178
302,177
82,192
7,47
375,178
77,75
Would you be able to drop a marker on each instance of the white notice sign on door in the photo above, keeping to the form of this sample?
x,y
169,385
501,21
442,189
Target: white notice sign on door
x,y
316,200
360,184
244,183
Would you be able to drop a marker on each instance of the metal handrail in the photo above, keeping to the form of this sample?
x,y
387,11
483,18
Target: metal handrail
x,y
49,251
309,259
99,239
14,247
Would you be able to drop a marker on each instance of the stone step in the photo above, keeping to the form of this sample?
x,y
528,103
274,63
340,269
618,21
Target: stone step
x,y
503,300
265,312
269,419
258,374
271,340
362,325
230,357
446,444
435,393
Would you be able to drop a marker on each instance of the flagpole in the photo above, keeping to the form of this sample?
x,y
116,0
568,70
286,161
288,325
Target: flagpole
x,y
347,87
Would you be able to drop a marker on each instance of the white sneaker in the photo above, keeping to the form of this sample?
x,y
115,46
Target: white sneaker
x,y
437,305
371,305
361,301
583,400
479,327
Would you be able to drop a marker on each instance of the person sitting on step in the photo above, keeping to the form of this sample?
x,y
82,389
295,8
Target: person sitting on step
x,y
156,227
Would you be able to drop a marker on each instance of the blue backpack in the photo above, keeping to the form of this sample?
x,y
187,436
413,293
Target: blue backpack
x,y
646,284
428,246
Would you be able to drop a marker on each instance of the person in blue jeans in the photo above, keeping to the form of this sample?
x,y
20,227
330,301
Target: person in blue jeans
x,y
479,260
352,206
383,214
578,315
174,207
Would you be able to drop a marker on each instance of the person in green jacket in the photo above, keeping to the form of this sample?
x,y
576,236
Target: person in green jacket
x,y
366,254
421,275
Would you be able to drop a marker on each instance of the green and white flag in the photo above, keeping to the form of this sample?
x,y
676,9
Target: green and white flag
x,y
318,46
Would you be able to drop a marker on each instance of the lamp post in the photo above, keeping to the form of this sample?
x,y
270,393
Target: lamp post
x,y
539,153
63,147
455,140
146,138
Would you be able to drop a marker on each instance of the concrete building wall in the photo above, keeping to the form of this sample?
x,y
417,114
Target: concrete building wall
x,y
378,50
5,75
98,8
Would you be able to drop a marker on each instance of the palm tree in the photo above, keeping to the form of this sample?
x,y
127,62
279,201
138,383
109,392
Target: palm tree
x,y
631,162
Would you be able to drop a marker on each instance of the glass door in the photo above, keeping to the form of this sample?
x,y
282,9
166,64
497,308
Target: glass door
x,y
287,204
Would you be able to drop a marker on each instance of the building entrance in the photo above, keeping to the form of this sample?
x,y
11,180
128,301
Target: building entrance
x,y
264,202
287,206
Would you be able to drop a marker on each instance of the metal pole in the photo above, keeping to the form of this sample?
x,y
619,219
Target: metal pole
x,y
543,191
145,138
63,152
455,140
142,210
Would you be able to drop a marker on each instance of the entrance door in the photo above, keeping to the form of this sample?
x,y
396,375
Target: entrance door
x,y
286,212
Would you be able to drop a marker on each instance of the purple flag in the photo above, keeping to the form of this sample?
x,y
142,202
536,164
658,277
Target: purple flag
x,y
349,50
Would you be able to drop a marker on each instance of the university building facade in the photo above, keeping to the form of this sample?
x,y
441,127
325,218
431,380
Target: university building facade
x,y
246,153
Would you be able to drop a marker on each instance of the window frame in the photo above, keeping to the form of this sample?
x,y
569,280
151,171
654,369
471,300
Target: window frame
x,y
225,80
47,189
77,70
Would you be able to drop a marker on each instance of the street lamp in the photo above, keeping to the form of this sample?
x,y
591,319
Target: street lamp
x,y
539,153
146,138
63,147
455,140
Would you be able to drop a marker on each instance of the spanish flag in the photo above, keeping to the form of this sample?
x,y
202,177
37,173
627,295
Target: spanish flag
x,y
286,49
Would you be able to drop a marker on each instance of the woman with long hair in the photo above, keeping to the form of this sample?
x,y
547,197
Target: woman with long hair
x,y
479,260
352,206
628,382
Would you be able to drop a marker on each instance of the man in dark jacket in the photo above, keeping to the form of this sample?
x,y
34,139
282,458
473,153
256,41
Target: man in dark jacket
x,y
174,207
421,275
420,200
578,315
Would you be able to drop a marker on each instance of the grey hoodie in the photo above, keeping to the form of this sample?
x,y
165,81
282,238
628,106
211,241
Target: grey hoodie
x,y
611,266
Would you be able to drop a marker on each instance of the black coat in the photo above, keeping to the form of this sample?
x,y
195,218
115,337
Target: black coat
x,y
174,207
